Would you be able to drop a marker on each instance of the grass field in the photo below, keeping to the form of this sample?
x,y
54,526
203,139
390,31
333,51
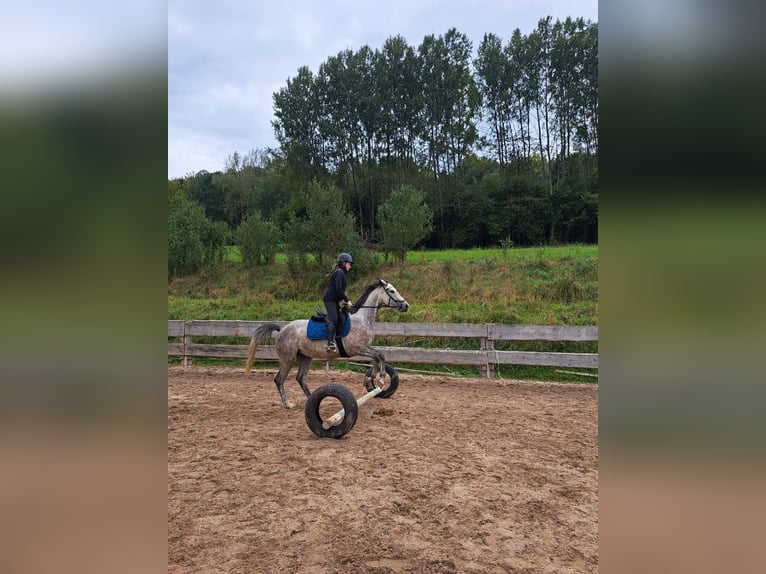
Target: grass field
x,y
529,286
585,251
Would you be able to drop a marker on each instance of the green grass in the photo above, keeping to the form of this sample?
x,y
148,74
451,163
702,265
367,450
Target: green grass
x,y
529,286
581,251
233,254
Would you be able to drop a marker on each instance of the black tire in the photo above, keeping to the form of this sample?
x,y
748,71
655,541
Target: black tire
x,y
314,419
390,388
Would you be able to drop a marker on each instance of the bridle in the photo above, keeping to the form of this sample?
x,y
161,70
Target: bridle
x,y
379,305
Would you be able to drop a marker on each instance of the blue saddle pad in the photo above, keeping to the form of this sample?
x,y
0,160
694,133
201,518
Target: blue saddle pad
x,y
318,329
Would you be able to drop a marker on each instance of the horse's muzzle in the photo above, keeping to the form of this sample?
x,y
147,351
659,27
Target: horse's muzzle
x,y
403,306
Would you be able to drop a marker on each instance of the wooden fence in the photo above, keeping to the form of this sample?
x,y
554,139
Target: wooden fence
x,y
486,356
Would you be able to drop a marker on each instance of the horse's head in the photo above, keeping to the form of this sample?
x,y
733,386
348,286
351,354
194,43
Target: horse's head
x,y
390,297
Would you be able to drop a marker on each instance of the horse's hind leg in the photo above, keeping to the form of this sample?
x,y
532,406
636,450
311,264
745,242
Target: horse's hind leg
x,y
303,367
378,369
279,380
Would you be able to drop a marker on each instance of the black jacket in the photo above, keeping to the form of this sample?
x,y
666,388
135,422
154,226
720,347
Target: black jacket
x,y
336,287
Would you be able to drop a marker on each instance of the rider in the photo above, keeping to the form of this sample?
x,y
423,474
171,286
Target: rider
x,y
334,295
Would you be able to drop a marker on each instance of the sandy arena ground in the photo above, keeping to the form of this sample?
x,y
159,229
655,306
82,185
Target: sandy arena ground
x,y
447,475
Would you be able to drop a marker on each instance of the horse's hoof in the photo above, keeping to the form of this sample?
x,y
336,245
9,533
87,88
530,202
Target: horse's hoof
x,y
289,405
379,380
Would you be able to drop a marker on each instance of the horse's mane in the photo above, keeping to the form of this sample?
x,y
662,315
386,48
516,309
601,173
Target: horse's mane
x,y
366,293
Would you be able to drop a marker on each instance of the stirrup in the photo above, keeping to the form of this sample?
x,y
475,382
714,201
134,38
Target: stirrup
x,y
332,347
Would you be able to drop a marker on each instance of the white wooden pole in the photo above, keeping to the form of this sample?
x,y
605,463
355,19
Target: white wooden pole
x,y
337,417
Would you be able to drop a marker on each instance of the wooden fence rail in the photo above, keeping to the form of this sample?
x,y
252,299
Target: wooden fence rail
x,y
486,356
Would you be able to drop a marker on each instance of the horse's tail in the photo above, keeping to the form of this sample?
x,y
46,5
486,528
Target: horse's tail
x,y
261,333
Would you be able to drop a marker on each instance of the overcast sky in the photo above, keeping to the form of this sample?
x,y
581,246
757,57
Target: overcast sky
x,y
227,58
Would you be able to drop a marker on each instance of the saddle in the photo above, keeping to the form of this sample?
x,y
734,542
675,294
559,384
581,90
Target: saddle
x,y
319,316
317,327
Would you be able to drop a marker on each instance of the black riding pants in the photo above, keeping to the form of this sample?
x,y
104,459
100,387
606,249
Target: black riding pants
x,y
333,317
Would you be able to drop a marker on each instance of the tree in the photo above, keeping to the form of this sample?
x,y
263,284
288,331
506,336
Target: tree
x,y
540,88
404,220
494,82
257,239
451,104
202,188
193,241
351,121
326,229
371,120
400,98
296,124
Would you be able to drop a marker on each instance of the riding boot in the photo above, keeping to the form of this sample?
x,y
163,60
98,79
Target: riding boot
x,y
331,336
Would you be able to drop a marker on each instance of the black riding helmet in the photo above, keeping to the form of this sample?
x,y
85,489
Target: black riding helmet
x,y
345,257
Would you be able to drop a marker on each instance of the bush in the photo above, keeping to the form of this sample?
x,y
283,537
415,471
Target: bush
x,y
194,241
404,220
258,240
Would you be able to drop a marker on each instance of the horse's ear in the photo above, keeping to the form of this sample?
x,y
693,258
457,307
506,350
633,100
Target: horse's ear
x,y
383,282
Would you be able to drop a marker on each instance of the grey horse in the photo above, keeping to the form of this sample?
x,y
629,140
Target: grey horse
x,y
292,343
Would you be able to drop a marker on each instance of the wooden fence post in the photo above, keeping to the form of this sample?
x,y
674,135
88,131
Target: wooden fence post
x,y
187,341
487,344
